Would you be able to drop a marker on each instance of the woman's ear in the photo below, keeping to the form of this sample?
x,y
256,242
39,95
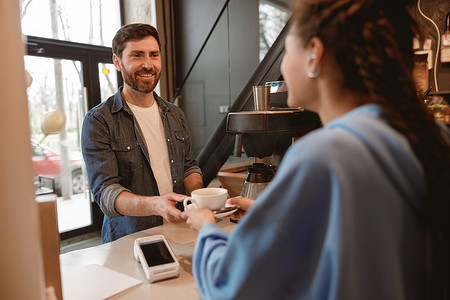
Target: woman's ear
x,y
315,47
314,56
116,62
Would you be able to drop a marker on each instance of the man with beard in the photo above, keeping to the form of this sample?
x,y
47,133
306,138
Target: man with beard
x,y
137,146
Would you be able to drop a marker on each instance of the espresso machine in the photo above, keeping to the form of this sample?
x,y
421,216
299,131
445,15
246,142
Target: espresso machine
x,y
265,134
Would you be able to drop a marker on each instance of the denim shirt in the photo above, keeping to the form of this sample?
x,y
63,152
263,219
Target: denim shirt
x,y
117,160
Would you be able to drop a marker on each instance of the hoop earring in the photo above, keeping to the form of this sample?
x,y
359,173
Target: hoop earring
x,y
310,74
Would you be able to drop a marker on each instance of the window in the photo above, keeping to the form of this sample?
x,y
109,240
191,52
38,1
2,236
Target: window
x,y
272,19
108,80
83,21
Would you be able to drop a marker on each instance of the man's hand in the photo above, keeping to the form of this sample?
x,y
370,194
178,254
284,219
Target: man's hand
x,y
197,217
130,204
164,206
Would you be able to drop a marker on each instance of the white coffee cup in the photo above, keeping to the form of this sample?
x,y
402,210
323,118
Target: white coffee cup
x,y
210,198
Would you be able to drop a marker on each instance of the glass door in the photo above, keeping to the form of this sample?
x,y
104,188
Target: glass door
x,y
57,85
66,42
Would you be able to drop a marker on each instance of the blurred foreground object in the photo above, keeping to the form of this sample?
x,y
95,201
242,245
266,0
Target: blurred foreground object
x,y
53,122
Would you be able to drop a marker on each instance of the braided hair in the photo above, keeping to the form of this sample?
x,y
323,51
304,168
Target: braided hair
x,y
371,41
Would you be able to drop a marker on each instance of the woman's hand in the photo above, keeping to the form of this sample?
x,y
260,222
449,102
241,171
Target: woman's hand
x,y
244,205
197,217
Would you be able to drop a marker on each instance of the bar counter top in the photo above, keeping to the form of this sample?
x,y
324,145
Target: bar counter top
x,y
118,256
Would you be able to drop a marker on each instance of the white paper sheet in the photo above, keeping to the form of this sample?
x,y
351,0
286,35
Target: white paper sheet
x,y
94,282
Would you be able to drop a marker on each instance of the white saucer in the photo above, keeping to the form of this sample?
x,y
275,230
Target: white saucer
x,y
218,214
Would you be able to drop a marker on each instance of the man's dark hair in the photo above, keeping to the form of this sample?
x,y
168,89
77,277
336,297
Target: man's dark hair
x,y
133,31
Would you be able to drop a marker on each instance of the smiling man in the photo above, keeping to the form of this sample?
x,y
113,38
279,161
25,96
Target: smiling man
x,y
137,146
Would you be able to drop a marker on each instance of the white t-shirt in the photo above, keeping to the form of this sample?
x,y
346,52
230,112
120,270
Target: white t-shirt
x,y
151,125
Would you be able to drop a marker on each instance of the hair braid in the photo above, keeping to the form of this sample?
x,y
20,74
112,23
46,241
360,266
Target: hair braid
x,y
385,65
372,43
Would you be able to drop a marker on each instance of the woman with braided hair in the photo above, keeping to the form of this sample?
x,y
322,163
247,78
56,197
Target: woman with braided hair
x,y
359,209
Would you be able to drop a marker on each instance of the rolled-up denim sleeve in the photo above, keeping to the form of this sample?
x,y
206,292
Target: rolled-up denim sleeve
x,y
194,169
101,164
108,198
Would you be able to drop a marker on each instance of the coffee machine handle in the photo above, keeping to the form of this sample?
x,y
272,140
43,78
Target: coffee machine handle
x,y
238,145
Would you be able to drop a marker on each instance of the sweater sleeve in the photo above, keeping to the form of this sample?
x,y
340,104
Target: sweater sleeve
x,y
280,239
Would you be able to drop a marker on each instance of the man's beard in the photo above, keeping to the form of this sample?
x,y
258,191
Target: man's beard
x,y
132,80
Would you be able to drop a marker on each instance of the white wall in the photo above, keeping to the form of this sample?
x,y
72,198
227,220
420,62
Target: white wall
x,y
21,273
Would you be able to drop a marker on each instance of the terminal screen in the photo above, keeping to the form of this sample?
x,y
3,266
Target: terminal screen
x,y
156,253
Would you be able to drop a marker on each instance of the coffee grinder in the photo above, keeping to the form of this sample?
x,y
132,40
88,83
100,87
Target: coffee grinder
x,y
265,134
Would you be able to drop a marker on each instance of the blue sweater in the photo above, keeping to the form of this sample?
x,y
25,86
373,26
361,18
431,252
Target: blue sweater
x,y
341,220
